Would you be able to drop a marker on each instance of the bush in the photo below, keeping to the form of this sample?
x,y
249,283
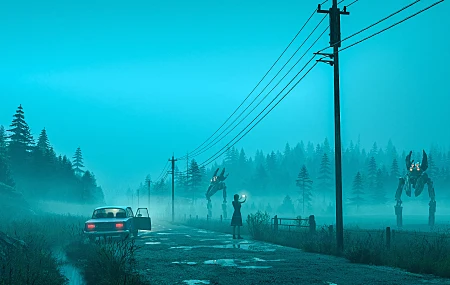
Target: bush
x,y
32,263
106,262
258,224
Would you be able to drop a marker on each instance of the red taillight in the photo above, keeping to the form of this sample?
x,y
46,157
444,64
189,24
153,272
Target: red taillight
x,y
119,226
91,226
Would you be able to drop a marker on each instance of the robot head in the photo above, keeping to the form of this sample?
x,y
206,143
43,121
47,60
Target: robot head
x,y
414,167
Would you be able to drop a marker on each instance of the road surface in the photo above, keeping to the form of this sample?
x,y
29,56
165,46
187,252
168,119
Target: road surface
x,y
182,255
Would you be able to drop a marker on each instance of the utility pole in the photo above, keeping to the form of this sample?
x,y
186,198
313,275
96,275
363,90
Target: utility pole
x,y
149,181
335,42
173,187
187,173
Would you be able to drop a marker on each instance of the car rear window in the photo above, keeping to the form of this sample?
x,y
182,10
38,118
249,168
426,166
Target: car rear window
x,y
109,213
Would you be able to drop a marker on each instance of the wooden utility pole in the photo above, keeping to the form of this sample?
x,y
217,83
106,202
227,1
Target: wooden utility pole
x,y
149,181
173,187
335,42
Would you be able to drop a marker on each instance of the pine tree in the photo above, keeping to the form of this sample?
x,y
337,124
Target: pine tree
x,y
357,192
260,179
43,143
380,190
5,172
326,146
305,185
21,140
78,162
195,178
372,173
395,173
431,166
325,175
287,206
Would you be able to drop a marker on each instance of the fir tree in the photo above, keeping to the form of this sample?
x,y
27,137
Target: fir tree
x,y
287,206
380,190
357,192
305,185
395,173
21,140
43,144
5,172
431,166
260,179
372,173
325,174
78,162
195,178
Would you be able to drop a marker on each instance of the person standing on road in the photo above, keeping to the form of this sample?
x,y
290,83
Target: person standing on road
x,y
236,220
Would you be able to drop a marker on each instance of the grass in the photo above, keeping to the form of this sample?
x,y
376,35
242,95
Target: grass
x,y
106,262
416,252
35,263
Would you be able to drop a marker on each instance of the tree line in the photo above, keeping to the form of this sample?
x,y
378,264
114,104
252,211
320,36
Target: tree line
x,y
306,172
33,168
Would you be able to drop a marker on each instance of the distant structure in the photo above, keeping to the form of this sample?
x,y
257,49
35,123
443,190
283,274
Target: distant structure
x,y
217,184
415,178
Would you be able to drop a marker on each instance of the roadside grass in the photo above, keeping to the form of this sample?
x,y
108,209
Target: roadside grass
x,y
34,262
107,261
416,252
47,235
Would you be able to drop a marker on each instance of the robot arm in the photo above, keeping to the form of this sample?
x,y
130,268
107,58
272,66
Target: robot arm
x,y
408,160
424,165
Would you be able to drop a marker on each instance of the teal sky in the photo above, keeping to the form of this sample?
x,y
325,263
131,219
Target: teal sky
x,y
130,82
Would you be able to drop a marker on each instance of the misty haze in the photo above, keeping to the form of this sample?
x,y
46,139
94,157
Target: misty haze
x,y
243,142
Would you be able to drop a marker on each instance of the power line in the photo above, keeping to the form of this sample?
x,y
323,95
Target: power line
x,y
352,3
213,158
393,25
209,146
162,172
257,85
374,24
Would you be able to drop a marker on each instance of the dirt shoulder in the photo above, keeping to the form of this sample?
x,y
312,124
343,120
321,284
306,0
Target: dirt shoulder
x,y
179,255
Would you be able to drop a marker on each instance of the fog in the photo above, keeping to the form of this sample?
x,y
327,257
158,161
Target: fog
x,y
96,98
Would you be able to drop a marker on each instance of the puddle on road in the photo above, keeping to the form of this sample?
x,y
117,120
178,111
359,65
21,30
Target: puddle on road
x,y
255,267
244,245
234,263
208,239
222,262
195,282
188,236
203,232
153,242
185,262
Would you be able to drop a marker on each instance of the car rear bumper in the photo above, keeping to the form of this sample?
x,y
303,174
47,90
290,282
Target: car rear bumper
x,y
106,233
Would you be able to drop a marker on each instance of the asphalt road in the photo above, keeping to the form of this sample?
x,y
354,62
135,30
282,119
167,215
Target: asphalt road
x,y
182,255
